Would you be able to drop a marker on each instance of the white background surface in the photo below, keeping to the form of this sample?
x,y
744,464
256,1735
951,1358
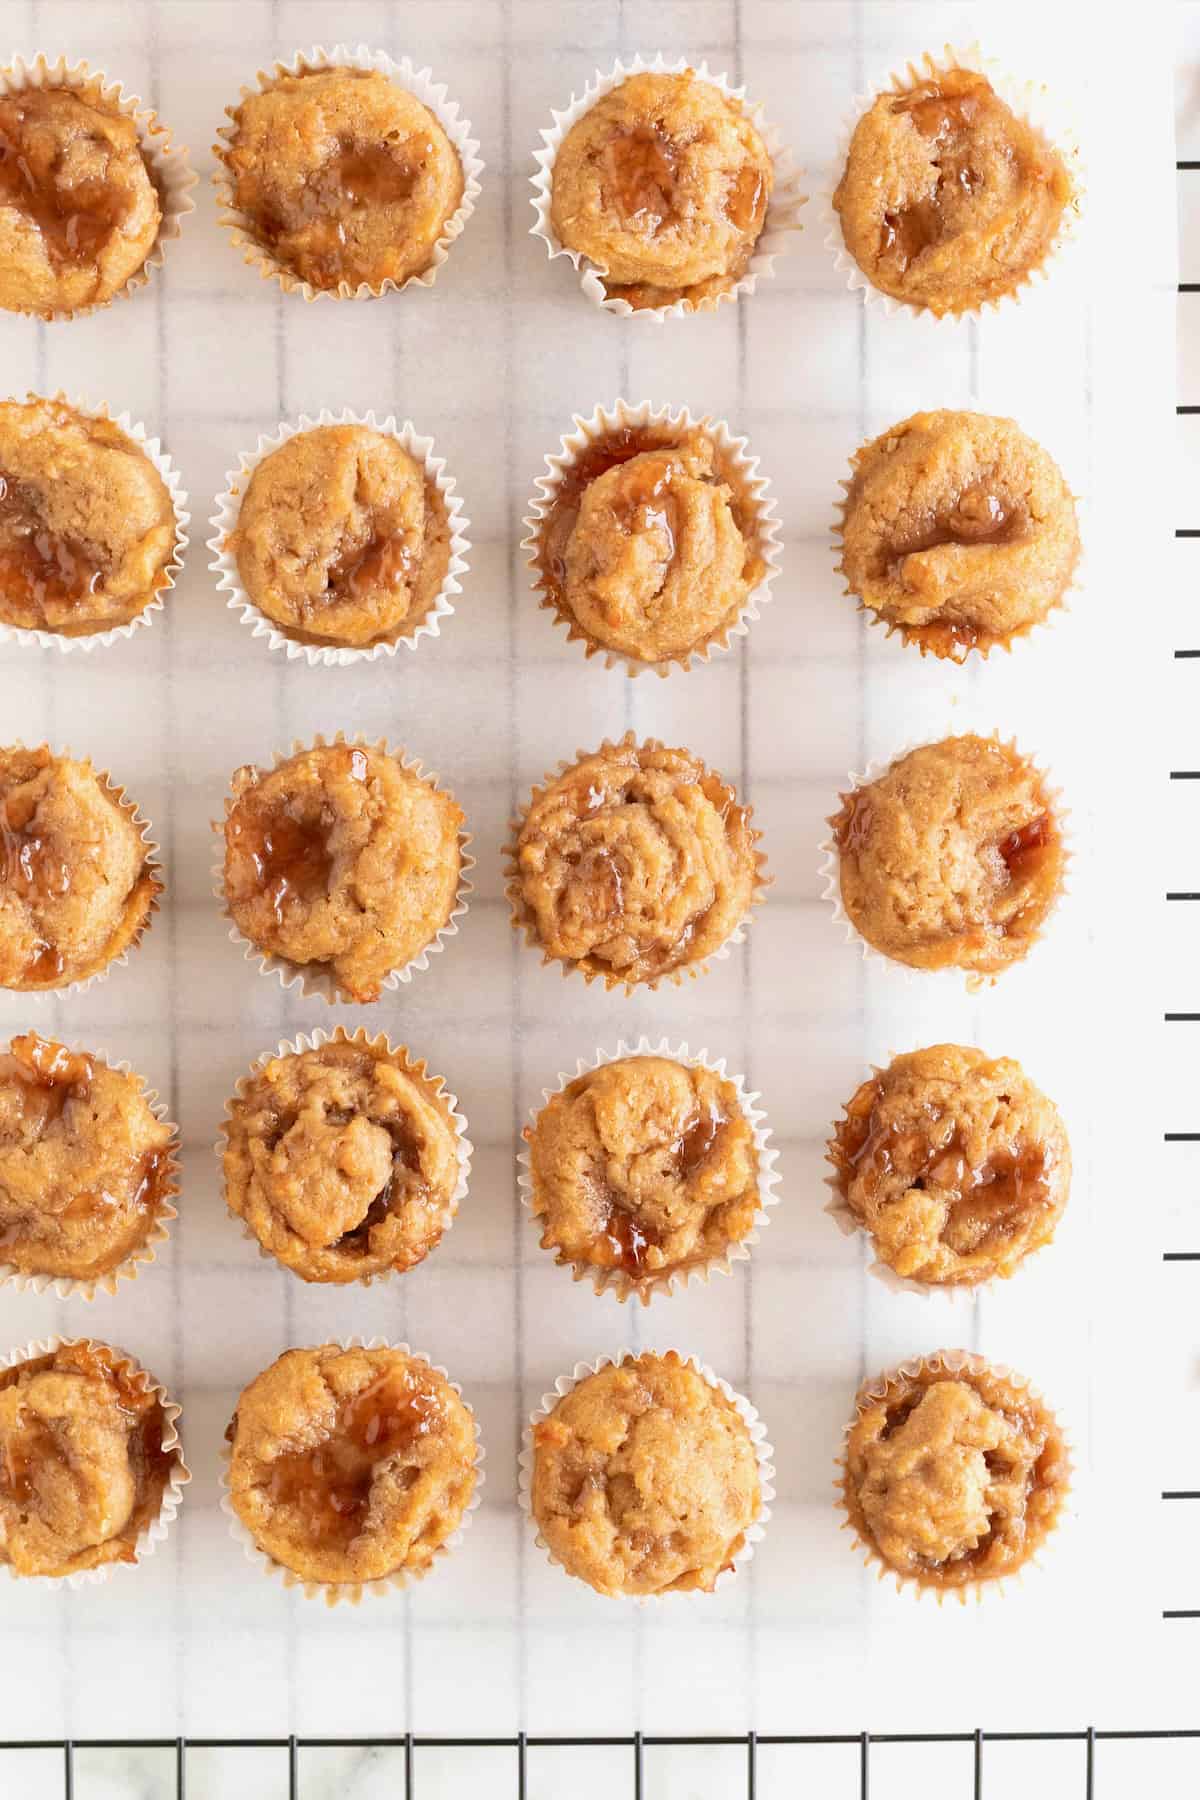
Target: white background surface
x,y
493,362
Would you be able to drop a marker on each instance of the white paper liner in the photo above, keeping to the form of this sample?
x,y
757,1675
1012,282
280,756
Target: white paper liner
x,y
304,1041
152,1535
169,170
224,565
405,74
315,980
351,1593
762,1450
783,211
53,640
645,1288
951,1362
1030,101
734,464
829,868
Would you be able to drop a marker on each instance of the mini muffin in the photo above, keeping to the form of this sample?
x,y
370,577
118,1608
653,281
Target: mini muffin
x,y
77,882
86,1170
342,537
84,1462
958,531
955,1163
87,526
342,858
663,185
641,1168
350,1466
645,1478
343,1160
343,177
79,210
953,857
634,864
954,1473
948,201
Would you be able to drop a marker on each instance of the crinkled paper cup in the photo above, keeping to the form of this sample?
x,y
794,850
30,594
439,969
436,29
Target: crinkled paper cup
x,y
749,1414
153,1534
405,74
432,1086
152,448
335,1593
950,1363
224,564
783,211
315,980
167,164
735,466
619,1282
1029,100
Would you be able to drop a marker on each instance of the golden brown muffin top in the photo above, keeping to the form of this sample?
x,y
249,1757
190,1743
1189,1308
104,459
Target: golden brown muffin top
x,y
351,1465
948,200
955,1162
958,531
663,185
953,857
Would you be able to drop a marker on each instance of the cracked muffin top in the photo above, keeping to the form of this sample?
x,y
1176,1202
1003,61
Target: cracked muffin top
x,y
663,185
948,200
83,1470
342,1160
645,1478
85,1167
342,538
79,211
341,857
643,1166
86,522
955,1162
958,531
77,885
342,177
952,858
634,864
351,1465
953,1474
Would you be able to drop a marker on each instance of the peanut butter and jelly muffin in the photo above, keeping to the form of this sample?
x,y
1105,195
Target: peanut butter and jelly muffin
x,y
954,1162
663,185
954,1473
351,1466
87,1454
634,864
77,882
645,1478
87,526
958,531
344,1160
342,537
343,177
341,859
953,857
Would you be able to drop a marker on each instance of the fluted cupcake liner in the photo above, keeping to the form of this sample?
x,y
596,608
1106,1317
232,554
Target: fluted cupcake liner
x,y
170,173
735,466
315,980
405,74
783,211
763,1452
432,1086
352,1593
224,564
620,1282
153,1534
